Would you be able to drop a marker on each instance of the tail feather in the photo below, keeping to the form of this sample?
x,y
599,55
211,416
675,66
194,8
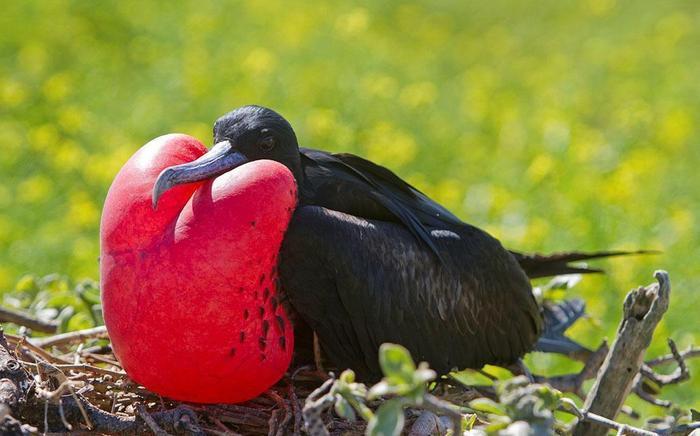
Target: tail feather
x,y
538,265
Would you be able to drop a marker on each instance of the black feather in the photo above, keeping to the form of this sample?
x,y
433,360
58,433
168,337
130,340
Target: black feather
x,y
539,265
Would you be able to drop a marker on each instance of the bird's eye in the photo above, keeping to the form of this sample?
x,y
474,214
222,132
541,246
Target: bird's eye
x,y
267,143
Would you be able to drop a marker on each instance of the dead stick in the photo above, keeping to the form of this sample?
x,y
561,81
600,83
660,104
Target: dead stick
x,y
90,368
670,358
643,309
150,422
569,406
70,337
23,319
24,342
574,382
84,368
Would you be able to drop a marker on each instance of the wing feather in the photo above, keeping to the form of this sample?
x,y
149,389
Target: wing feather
x,y
343,273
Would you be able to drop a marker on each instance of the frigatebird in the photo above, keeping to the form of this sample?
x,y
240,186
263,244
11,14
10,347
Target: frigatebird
x,y
367,258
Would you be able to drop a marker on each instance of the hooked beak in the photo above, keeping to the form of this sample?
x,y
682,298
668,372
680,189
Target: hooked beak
x,y
222,157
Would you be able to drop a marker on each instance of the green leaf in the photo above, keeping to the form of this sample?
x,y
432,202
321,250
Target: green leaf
x,y
388,421
379,390
343,409
498,423
347,376
396,363
423,374
385,388
27,283
485,405
694,415
468,422
64,318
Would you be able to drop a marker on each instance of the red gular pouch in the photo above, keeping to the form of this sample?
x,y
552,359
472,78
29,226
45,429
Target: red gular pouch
x,y
189,289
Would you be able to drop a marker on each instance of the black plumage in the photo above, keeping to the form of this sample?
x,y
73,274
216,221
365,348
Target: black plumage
x,y
368,259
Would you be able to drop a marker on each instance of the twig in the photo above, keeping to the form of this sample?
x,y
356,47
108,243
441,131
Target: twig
x,y
646,372
638,389
23,341
679,375
280,427
669,358
101,359
83,367
298,418
683,429
316,403
90,368
148,419
23,319
574,382
221,426
70,337
643,309
65,422
600,421
622,429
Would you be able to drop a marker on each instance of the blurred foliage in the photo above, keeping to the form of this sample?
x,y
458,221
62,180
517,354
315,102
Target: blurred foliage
x,y
54,298
555,125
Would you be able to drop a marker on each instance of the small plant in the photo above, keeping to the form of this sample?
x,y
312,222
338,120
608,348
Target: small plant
x,y
404,386
57,301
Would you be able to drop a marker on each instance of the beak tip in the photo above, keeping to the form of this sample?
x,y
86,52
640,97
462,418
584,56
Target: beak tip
x,y
160,186
155,196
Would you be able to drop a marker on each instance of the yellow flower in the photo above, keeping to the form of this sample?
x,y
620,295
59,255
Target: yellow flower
x,y
82,211
321,122
35,189
259,61
5,277
389,145
32,58
379,85
58,86
418,94
199,130
12,93
71,118
540,167
43,138
352,23
67,155
449,193
676,128
600,7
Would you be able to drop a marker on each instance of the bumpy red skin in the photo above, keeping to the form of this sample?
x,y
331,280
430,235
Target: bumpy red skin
x,y
189,290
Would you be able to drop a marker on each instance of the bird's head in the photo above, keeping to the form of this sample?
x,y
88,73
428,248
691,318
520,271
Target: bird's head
x,y
245,134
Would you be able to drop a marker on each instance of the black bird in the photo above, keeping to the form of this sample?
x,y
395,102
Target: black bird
x,y
368,258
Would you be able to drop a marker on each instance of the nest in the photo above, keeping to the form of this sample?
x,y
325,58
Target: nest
x,y
75,375
73,382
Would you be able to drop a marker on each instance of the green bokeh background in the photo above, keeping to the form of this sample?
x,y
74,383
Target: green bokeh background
x,y
554,125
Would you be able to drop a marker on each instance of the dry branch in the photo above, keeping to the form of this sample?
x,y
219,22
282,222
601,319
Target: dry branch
x,y
72,337
669,358
643,309
23,319
574,382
